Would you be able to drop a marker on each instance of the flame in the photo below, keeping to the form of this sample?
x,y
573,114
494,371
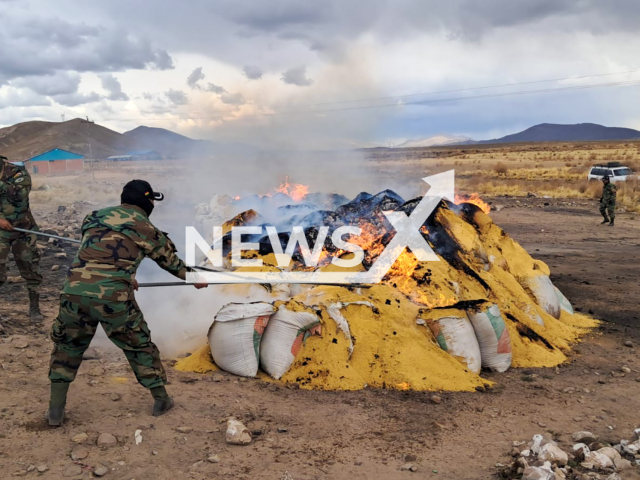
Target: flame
x,y
475,199
370,240
424,230
403,386
441,301
296,191
404,266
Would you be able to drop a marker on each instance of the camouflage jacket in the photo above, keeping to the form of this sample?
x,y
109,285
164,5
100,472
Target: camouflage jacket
x,y
15,185
609,193
114,242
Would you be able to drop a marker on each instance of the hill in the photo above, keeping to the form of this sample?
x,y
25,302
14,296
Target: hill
x,y
25,140
581,132
436,141
170,144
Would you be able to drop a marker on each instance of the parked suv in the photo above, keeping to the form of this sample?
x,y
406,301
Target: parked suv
x,y
615,170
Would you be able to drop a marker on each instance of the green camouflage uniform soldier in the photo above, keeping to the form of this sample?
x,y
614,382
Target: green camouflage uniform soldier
x,y
99,289
608,201
15,185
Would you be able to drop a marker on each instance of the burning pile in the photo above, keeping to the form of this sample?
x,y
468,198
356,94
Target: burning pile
x,y
427,326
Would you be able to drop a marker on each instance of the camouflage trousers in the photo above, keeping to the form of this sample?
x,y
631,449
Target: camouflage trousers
x,y
26,255
610,208
123,323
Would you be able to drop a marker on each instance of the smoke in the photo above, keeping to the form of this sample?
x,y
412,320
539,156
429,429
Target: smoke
x,y
257,140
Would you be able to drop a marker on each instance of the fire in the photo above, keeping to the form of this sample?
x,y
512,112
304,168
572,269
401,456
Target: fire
x,y
475,199
424,230
296,191
403,386
441,301
404,266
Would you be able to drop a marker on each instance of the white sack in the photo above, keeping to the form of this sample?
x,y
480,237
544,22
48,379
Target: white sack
x,y
456,336
283,338
543,293
493,337
234,337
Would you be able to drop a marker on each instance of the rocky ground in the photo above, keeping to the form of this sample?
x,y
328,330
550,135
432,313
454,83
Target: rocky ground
x,y
369,434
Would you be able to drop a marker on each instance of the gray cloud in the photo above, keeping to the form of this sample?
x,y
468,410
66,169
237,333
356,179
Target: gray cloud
x,y
36,45
215,88
75,99
194,77
177,97
14,97
296,76
51,84
232,99
252,72
112,85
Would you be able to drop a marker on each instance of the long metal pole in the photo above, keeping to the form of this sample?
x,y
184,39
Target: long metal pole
x,y
42,234
179,284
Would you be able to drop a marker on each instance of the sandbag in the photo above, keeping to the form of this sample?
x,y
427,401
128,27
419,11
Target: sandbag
x,y
235,336
493,337
543,292
565,304
456,336
282,339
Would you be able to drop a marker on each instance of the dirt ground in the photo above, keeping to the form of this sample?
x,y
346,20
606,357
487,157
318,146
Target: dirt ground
x,y
360,435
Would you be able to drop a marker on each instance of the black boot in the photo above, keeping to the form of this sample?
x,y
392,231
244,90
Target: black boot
x,y
34,307
611,223
606,220
58,400
162,401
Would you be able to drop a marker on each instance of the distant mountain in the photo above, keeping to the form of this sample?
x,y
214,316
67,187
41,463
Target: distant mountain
x,y
436,141
581,132
25,140
170,144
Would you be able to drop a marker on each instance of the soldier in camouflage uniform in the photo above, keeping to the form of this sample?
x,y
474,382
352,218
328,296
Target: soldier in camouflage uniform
x,y
608,201
99,289
15,185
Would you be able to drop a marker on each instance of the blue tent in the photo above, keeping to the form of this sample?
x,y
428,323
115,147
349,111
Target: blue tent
x,y
56,154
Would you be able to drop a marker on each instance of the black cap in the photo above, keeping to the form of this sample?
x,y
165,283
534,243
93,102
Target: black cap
x,y
606,177
140,193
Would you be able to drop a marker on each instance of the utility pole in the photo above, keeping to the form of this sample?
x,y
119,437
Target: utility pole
x,y
93,172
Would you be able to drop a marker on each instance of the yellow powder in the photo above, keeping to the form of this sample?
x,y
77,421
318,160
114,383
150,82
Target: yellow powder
x,y
392,350
199,361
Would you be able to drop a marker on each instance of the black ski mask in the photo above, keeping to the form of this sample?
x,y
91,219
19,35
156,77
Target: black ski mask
x,y
140,194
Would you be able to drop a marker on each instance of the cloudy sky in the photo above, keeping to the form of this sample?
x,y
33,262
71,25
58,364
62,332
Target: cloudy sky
x,y
295,73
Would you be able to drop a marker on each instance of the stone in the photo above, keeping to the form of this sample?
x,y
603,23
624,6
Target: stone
x,y
60,255
42,468
55,268
72,471
79,453
100,471
622,464
579,450
543,472
636,433
20,342
625,369
408,467
610,452
115,396
80,438
107,440
96,372
184,429
553,454
237,433
436,399
217,377
213,459
584,437
598,460
410,458
628,343
614,476
282,430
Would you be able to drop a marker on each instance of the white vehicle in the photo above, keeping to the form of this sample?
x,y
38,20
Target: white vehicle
x,y
614,170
